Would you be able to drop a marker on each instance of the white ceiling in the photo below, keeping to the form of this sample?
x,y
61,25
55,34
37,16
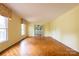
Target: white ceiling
x,y
40,12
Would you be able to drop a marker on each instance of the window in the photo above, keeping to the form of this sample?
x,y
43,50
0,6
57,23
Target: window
x,y
38,30
23,30
3,28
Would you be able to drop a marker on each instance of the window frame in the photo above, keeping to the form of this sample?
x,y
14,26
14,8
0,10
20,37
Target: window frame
x,y
23,23
23,29
5,29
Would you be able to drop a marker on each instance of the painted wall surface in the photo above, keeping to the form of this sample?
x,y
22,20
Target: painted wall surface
x,y
65,28
31,30
48,27
14,30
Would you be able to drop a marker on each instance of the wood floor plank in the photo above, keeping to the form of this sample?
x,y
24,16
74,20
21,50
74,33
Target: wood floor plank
x,y
40,46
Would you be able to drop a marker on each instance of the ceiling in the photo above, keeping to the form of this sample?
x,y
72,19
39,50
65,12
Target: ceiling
x,y
40,12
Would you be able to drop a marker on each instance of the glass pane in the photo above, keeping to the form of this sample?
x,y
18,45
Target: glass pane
x,y
2,35
38,30
3,22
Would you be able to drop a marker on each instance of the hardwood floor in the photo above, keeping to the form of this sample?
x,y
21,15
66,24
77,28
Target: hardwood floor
x,y
39,46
